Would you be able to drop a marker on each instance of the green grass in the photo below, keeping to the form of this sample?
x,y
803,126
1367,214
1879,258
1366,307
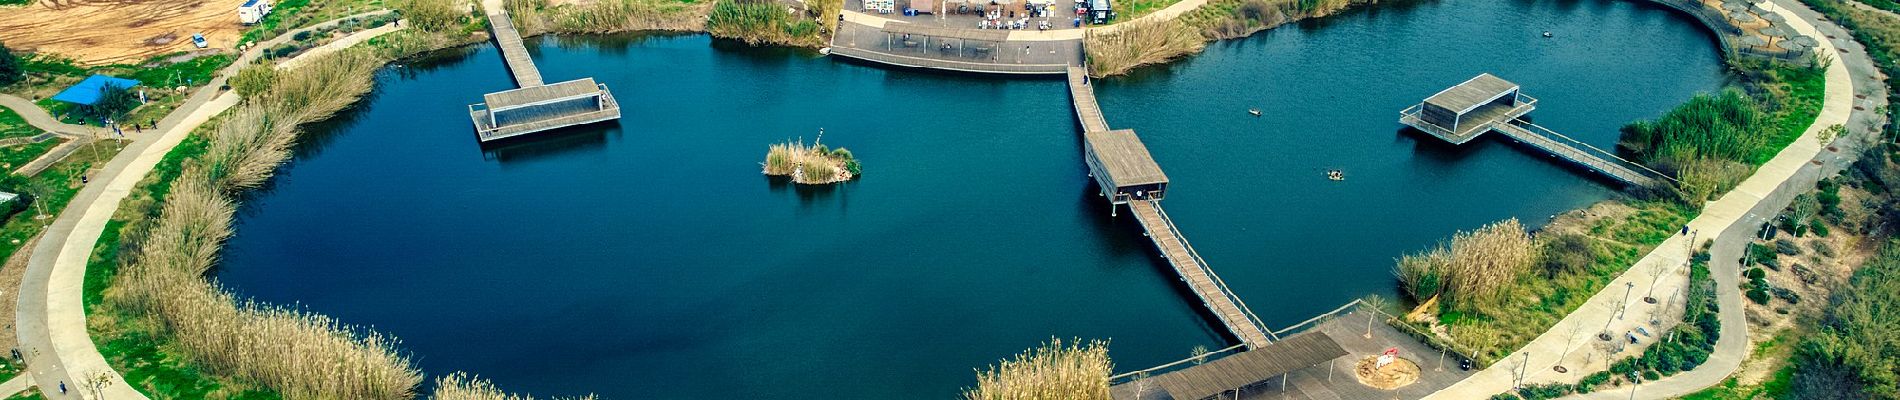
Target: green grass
x,y
155,371
289,15
13,125
15,156
64,178
1132,9
1539,301
1807,88
142,203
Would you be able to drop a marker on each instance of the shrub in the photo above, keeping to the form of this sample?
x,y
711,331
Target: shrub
x,y
1785,246
431,15
11,69
254,79
1052,371
1758,295
1544,391
1754,273
1590,382
1568,253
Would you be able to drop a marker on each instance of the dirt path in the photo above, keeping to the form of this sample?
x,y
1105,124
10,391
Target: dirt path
x,y
98,32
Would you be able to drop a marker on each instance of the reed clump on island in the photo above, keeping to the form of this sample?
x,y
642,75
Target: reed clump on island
x,y
811,165
1054,371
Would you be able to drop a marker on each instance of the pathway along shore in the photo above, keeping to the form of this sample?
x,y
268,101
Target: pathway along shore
x,y
1729,221
51,317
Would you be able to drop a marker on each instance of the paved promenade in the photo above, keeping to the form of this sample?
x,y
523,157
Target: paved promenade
x,y
1728,220
38,118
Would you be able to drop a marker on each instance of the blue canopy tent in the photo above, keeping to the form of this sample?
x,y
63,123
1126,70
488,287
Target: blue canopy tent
x,y
87,92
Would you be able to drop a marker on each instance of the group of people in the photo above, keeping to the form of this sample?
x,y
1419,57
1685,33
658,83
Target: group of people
x,y
1020,23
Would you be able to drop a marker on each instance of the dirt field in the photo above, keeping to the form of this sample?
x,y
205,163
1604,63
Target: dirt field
x,y
97,32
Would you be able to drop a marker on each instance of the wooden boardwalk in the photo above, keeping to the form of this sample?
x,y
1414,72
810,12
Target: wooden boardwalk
x,y
509,39
1619,169
1199,278
1082,92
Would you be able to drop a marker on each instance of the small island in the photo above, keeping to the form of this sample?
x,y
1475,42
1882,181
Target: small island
x,y
811,165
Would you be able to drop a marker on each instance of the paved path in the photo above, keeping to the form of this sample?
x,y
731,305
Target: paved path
x,y
1729,219
51,321
38,118
340,44
1032,35
59,152
16,385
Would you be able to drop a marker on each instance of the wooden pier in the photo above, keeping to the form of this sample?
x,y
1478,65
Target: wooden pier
x,y
1199,278
1083,94
1487,103
509,40
1127,174
534,106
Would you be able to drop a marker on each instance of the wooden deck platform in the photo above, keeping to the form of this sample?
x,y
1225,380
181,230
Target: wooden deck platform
x,y
1082,93
1200,279
905,61
1250,367
1487,103
509,40
517,112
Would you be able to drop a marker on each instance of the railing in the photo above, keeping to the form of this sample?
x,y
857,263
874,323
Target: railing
x,y
1726,31
1218,283
1600,155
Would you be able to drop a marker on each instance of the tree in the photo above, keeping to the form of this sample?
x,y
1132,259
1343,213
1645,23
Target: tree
x,y
114,103
11,70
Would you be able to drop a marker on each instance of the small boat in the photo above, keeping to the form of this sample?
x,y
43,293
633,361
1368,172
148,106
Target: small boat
x,y
1547,34
1336,175
1254,111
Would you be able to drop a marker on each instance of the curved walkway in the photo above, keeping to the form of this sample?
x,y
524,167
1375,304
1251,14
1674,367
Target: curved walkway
x,y
38,118
1028,35
51,319
1730,219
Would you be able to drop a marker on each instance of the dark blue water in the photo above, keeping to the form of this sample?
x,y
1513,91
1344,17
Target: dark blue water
x,y
650,259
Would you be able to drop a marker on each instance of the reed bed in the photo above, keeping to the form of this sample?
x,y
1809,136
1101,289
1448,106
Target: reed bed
x,y
299,355
1140,43
535,17
432,15
461,386
1706,142
1053,371
1472,271
814,164
763,22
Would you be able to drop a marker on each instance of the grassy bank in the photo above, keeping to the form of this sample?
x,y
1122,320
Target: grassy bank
x,y
159,78
1073,371
1133,45
769,22
608,16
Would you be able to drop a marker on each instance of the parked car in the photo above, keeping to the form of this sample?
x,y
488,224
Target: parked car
x,y
198,39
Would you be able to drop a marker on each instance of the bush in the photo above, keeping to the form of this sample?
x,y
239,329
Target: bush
x,y
1754,273
1589,383
1786,246
254,80
1568,253
1544,391
431,15
1758,295
11,69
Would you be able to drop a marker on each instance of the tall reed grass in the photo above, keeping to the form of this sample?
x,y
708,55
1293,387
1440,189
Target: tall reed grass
x,y
1140,43
810,164
762,22
1472,271
604,16
461,386
1705,142
299,355
432,15
1053,371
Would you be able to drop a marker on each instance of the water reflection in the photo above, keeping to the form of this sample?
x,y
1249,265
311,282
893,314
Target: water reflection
x,y
584,139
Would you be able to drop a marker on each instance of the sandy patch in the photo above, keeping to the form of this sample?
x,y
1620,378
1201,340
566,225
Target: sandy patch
x,y
1394,375
97,32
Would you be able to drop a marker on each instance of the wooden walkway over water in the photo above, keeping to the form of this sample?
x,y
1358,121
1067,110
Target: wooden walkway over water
x,y
1200,279
512,51
1487,103
1609,165
534,106
1117,158
1083,94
